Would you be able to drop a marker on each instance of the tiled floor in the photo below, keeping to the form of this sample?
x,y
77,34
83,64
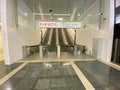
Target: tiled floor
x,y
52,73
44,76
52,57
5,69
101,76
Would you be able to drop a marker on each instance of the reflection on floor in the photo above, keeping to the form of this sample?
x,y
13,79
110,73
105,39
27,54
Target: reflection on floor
x,y
61,75
52,57
101,76
5,69
44,76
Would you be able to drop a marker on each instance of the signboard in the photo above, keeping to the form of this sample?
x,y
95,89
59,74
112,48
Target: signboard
x,y
58,24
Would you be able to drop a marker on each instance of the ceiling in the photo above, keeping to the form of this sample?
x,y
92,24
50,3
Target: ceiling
x,y
66,9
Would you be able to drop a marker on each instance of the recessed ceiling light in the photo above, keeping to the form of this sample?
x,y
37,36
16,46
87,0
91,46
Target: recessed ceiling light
x,y
26,14
89,15
78,15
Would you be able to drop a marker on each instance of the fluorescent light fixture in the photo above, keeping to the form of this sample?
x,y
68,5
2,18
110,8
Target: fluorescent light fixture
x,y
40,9
55,14
89,15
73,14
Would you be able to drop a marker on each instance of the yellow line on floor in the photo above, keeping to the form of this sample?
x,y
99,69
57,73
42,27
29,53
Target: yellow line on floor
x,y
8,76
114,65
86,83
56,60
111,64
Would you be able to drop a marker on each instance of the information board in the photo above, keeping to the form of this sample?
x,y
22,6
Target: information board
x,y
58,24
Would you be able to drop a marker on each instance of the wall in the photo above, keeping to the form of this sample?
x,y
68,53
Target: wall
x,y
1,46
117,3
15,35
26,24
90,31
97,30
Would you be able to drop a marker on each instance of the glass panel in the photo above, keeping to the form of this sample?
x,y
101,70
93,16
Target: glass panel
x,y
88,12
92,16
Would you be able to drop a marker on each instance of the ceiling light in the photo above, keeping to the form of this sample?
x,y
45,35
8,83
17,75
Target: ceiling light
x,y
26,14
73,14
78,15
89,15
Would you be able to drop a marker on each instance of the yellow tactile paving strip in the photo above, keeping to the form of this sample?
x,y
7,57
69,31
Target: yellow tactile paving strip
x,y
82,77
8,76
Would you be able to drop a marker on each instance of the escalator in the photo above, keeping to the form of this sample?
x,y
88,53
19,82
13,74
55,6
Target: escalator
x,y
69,40
64,40
46,37
52,46
60,37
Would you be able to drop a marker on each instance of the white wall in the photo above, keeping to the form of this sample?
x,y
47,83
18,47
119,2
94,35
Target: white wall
x,y
26,25
25,15
109,28
117,3
86,36
91,31
15,37
1,46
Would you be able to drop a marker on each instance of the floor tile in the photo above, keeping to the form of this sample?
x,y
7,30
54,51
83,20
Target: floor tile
x,y
100,75
44,76
58,82
42,84
5,69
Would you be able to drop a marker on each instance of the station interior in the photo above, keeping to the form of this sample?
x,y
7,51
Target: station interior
x,y
60,44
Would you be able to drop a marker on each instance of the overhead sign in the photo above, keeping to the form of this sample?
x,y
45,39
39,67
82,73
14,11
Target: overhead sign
x,y
58,24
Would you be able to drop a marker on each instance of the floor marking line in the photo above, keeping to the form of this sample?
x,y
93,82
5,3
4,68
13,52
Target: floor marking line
x,y
56,60
8,76
114,65
84,80
111,64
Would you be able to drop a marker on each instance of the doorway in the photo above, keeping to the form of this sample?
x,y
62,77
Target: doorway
x,y
116,45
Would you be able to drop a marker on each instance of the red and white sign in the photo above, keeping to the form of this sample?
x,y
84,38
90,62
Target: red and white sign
x,y
58,24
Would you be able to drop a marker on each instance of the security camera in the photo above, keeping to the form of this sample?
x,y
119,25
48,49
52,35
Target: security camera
x,y
51,10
